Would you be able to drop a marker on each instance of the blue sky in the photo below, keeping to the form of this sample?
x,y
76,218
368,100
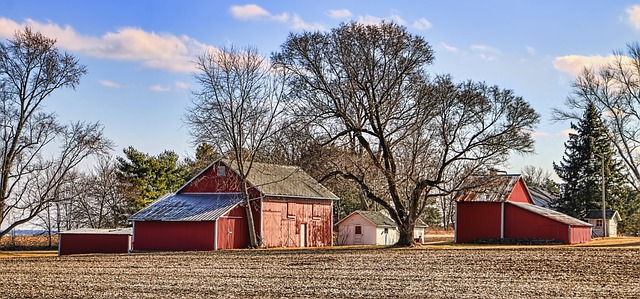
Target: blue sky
x,y
139,53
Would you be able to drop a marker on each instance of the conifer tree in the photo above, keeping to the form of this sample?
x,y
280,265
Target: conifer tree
x,y
581,170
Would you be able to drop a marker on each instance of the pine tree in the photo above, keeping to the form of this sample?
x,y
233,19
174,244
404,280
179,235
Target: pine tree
x,y
581,170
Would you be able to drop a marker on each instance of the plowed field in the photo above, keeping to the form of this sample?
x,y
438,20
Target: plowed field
x,y
547,272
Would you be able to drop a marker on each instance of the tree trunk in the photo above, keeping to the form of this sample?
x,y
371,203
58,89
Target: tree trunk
x,y
405,232
253,240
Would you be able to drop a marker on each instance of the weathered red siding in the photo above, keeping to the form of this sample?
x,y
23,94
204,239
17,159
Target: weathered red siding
x,y
233,230
93,243
580,234
520,193
289,221
477,220
520,223
210,182
173,235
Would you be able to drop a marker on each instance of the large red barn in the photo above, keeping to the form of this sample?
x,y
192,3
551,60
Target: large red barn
x,y
289,209
501,207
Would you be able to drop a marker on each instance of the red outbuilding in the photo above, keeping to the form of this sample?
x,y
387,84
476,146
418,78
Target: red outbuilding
x,y
501,207
289,209
89,240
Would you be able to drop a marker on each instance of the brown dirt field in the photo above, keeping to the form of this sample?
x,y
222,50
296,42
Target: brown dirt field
x,y
537,272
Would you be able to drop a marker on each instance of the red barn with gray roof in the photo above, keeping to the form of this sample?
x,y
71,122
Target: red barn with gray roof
x,y
289,209
501,207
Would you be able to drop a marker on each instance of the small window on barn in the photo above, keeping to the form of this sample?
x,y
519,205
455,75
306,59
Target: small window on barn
x,y
315,211
221,170
358,230
291,210
599,223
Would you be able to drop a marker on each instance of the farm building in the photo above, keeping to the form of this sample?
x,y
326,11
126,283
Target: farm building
x,y
501,207
595,218
372,228
89,240
289,209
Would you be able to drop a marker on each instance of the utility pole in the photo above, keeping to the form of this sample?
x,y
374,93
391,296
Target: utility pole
x,y
604,209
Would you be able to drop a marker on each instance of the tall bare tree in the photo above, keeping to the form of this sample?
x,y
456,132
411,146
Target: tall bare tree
x,y
240,100
365,88
615,91
31,69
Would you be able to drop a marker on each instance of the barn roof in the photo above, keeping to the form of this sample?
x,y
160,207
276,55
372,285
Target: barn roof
x,y
597,214
189,207
541,197
279,180
551,214
99,231
495,188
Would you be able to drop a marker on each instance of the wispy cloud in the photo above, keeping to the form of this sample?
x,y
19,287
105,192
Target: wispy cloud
x,y
574,64
109,84
485,52
422,24
159,88
150,49
373,20
252,12
182,85
633,16
531,50
340,14
448,48
566,132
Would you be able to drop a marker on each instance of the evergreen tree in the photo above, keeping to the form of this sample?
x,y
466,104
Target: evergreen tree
x,y
581,170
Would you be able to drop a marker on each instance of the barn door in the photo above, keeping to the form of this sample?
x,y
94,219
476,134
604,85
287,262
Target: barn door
x,y
303,235
231,223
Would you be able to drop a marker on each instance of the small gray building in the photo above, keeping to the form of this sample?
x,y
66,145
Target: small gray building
x,y
611,222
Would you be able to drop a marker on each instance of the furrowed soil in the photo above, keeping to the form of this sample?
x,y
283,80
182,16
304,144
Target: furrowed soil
x,y
538,272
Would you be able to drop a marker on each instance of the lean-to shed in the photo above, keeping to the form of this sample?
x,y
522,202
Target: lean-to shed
x,y
89,240
289,209
501,207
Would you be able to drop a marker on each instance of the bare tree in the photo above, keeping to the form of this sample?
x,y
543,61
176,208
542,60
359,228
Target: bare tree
x,y
536,176
615,91
365,88
240,99
31,68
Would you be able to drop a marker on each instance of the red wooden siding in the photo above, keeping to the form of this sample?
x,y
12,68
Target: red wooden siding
x,y
520,193
233,230
580,234
478,220
210,182
520,223
93,243
173,235
287,222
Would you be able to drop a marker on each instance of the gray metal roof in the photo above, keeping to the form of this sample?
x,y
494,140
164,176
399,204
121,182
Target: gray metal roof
x,y
495,188
541,197
99,231
551,214
189,207
282,180
597,214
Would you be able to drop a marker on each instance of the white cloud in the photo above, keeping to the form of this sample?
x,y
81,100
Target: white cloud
x,y
249,11
531,50
150,49
339,14
182,85
109,84
373,20
449,48
567,132
422,24
574,64
159,88
633,16
487,53
300,24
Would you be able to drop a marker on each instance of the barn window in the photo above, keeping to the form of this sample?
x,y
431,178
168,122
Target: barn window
x,y
599,223
291,210
221,170
358,230
315,211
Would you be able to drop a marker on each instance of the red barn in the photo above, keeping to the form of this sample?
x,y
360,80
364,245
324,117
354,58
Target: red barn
x,y
289,209
501,207
89,240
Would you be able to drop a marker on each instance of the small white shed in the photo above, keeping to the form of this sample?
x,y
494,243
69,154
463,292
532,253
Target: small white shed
x,y
372,228
595,217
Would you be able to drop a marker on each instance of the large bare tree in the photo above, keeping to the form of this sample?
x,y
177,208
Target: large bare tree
x,y
615,91
31,168
240,100
365,88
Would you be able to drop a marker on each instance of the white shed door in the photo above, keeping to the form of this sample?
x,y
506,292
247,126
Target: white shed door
x,y
303,235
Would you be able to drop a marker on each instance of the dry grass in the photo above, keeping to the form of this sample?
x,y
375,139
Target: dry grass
x,y
28,242
532,272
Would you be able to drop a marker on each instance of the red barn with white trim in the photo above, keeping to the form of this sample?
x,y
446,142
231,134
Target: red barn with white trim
x,y
289,209
501,207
